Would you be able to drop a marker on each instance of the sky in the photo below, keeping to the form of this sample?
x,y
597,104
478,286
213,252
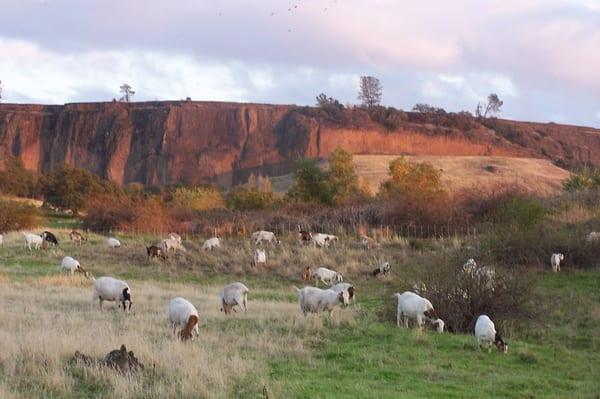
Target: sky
x,y
542,57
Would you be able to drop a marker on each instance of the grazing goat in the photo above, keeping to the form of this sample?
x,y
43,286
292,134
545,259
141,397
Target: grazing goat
x,y
49,237
232,295
77,237
349,288
211,243
438,325
315,300
169,244
412,306
175,236
368,242
112,290
259,256
470,267
327,276
183,313
154,252
113,243
555,260
265,236
486,334
307,274
33,239
304,237
322,240
72,265
593,236
486,275
384,269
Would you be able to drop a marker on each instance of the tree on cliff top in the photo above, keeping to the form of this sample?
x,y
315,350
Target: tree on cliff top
x,y
370,91
127,92
492,107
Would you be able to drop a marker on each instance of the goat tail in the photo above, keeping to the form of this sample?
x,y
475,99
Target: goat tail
x,y
296,288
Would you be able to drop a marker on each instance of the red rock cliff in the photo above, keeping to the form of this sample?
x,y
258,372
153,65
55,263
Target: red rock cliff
x,y
167,142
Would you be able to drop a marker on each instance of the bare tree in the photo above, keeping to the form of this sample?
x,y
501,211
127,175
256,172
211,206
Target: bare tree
x,y
492,106
127,92
370,91
0,90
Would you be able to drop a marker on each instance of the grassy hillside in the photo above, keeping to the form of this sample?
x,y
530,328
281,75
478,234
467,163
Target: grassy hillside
x,y
458,172
45,317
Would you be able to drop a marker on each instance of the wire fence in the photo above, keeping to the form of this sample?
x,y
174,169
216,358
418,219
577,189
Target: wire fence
x,y
387,232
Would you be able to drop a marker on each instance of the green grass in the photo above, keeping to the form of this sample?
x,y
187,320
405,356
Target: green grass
x,y
558,357
375,359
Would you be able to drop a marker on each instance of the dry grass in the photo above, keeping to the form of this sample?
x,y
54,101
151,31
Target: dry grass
x,y
43,324
460,172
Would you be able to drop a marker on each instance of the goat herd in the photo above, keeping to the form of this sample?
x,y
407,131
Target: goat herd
x,y
182,313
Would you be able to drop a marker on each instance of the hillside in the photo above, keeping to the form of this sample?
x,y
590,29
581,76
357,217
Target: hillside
x,y
459,172
159,143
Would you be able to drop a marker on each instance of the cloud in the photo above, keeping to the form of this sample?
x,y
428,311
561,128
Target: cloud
x,y
449,53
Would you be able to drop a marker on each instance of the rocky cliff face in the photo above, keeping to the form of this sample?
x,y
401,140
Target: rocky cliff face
x,y
168,142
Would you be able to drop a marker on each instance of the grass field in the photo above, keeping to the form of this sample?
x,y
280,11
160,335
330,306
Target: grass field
x,y
534,175
46,316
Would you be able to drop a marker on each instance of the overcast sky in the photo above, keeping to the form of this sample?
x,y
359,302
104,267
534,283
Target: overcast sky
x,y
542,57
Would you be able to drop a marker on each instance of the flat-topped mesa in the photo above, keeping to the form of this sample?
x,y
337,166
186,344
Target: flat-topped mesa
x,y
157,143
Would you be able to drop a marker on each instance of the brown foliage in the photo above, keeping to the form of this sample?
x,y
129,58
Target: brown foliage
x,y
126,214
17,216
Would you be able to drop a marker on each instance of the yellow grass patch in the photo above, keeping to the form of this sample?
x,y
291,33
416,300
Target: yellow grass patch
x,y
460,172
42,325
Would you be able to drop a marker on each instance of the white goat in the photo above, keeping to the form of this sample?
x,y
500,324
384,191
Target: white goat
x,y
555,260
486,334
265,236
72,265
349,288
369,243
112,290
383,269
438,325
470,267
183,313
34,239
487,276
259,256
232,295
593,236
113,243
412,306
175,236
1,240
315,300
327,276
322,240
169,244
211,243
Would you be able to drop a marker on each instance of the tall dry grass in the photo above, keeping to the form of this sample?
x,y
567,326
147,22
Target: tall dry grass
x,y
43,323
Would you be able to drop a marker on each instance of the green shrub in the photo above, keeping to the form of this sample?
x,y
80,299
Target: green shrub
x,y
71,188
16,215
520,212
197,199
243,199
584,179
310,183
